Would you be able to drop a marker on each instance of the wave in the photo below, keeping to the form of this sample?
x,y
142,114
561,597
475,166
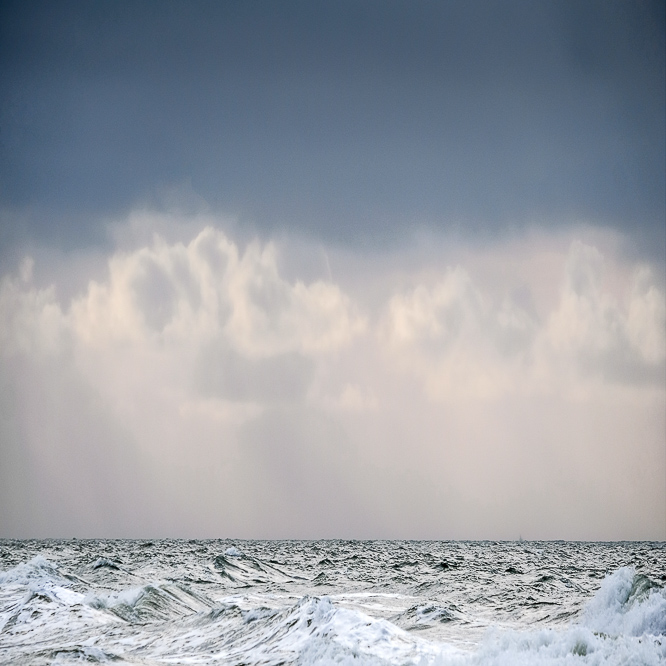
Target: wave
x,y
624,623
244,570
311,631
36,570
423,616
151,603
627,604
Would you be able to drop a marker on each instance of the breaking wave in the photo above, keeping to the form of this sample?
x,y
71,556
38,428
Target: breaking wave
x,y
262,613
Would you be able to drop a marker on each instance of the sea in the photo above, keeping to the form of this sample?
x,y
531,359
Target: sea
x,y
332,602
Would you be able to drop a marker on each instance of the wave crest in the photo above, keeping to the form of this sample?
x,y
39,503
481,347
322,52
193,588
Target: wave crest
x,y
627,604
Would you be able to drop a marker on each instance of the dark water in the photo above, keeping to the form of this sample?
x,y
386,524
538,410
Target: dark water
x,y
332,602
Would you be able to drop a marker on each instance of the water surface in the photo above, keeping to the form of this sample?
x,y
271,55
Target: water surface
x,y
332,602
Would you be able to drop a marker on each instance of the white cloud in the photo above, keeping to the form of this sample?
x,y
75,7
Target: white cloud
x,y
460,343
217,374
207,289
443,315
592,330
442,333
646,319
270,316
31,320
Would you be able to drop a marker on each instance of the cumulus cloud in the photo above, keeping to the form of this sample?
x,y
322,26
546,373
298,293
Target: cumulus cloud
x,y
449,334
460,343
592,328
197,389
646,319
31,319
208,288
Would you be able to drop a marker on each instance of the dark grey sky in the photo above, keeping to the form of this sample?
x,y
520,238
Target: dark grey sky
x,y
349,121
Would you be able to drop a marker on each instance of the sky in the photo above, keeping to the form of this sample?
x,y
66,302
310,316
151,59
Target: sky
x,y
333,269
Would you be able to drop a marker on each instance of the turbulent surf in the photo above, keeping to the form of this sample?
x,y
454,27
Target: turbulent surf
x,y
332,602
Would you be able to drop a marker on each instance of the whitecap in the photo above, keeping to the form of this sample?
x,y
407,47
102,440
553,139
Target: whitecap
x,y
232,551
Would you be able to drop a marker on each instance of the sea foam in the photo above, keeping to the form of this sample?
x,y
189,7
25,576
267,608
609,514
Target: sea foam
x,y
383,604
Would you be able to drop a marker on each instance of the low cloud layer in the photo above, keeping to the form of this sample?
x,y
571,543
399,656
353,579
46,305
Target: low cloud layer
x,y
196,389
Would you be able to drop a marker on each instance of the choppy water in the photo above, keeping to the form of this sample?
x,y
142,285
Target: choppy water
x,y
332,602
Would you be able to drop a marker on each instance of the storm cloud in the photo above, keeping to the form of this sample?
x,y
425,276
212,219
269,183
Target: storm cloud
x,y
343,120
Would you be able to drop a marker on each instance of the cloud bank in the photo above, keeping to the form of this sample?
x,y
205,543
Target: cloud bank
x,y
202,388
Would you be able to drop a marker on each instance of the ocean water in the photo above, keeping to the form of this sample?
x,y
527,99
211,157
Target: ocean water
x,y
332,602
